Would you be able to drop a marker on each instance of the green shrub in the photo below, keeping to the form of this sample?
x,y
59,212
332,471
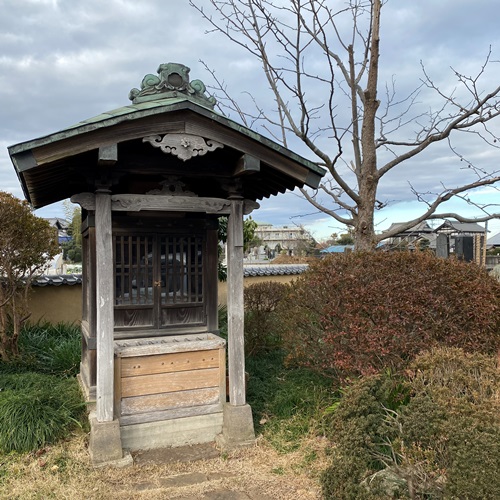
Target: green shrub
x,y
360,435
360,313
454,416
262,333
443,441
36,410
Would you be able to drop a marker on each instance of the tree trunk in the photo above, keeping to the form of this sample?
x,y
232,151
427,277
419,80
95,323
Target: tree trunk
x,y
364,228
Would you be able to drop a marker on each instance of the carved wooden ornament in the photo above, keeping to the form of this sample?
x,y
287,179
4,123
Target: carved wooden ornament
x,y
184,146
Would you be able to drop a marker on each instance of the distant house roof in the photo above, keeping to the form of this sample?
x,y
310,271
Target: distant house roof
x,y
58,222
421,227
460,227
337,249
494,241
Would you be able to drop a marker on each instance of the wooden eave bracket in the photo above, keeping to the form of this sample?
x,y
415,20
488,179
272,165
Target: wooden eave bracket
x,y
313,179
247,164
108,155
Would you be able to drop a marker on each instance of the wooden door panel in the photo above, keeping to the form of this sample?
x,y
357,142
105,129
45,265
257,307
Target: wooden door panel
x,y
125,317
159,280
182,316
134,280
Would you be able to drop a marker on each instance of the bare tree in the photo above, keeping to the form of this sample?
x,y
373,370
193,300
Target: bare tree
x,y
335,110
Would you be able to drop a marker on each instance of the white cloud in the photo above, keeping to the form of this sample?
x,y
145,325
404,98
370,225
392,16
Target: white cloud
x,y
65,61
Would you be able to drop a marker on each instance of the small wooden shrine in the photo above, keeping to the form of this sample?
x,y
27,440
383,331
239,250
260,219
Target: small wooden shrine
x,y
152,179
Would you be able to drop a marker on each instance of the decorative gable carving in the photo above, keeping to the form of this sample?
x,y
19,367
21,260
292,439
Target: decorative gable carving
x,y
184,146
172,186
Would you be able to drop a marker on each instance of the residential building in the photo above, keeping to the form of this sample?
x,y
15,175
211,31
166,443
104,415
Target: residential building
x,y
416,236
292,240
61,226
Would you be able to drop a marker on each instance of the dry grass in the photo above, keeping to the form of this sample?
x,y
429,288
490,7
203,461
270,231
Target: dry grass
x,y
65,472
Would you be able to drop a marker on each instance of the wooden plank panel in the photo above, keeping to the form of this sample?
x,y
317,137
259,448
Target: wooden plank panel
x,y
176,413
168,401
169,382
167,363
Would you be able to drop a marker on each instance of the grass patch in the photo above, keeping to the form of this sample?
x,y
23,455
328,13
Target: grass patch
x,y
46,348
53,349
40,400
37,409
288,403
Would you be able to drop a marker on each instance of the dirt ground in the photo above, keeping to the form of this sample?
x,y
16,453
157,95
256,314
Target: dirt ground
x,y
256,473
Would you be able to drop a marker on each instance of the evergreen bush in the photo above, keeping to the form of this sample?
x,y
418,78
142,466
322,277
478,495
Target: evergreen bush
x,y
52,349
360,435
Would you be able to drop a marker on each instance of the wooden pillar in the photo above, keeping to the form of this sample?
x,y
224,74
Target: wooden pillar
x,y
235,305
211,280
104,303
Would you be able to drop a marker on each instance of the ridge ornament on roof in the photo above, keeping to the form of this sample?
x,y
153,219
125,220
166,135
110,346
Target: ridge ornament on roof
x,y
173,80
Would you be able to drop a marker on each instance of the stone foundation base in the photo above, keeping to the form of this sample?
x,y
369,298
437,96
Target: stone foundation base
x,y
172,433
105,444
237,428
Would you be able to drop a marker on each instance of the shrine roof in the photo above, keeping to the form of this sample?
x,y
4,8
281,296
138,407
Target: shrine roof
x,y
60,164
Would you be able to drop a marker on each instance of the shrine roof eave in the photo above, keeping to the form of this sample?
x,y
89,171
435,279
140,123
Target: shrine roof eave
x,y
26,160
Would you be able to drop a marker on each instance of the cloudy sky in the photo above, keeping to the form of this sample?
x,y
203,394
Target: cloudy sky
x,y
62,61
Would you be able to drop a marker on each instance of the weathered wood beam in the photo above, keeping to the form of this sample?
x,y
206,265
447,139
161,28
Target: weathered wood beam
x,y
105,318
211,283
235,305
159,203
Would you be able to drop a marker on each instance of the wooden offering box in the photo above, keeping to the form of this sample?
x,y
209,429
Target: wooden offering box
x,y
166,378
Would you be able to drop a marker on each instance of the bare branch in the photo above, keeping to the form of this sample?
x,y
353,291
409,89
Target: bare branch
x,y
334,109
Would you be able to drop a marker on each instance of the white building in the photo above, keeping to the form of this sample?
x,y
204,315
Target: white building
x,y
292,240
